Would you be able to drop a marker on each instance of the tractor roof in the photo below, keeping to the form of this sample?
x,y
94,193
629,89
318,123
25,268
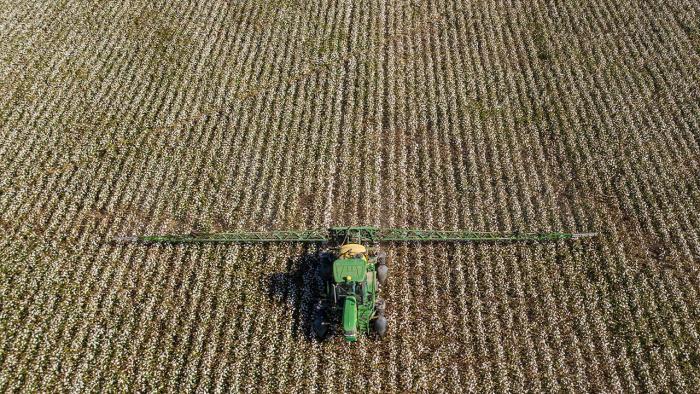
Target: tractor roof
x,y
350,250
354,268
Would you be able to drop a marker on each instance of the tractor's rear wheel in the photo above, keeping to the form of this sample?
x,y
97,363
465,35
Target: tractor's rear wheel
x,y
380,325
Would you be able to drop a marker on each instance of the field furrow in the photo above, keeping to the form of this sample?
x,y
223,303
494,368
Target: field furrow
x,y
139,117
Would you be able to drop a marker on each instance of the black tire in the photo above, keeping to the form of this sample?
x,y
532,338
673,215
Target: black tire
x,y
382,273
380,326
381,257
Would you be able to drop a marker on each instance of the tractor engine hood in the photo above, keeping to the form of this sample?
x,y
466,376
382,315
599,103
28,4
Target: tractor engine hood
x,y
350,319
349,270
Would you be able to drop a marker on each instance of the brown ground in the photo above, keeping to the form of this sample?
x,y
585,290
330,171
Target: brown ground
x,y
137,117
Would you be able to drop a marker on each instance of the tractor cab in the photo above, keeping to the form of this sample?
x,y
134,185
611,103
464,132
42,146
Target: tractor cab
x,y
350,273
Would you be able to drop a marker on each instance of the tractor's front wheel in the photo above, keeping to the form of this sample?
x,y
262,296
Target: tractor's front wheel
x,y
381,258
382,273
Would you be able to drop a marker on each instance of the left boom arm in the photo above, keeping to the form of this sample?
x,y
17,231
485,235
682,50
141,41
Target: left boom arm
x,y
309,236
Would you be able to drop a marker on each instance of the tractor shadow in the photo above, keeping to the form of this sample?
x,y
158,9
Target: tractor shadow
x,y
300,288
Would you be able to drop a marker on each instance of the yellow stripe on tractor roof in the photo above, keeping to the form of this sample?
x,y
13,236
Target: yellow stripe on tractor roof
x,y
349,251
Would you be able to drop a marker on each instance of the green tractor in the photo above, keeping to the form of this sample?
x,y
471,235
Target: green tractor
x,y
351,281
352,273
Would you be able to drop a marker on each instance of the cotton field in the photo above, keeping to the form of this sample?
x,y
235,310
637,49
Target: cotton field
x,y
150,117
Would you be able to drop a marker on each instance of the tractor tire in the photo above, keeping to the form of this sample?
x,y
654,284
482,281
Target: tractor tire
x,y
380,325
382,273
381,258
